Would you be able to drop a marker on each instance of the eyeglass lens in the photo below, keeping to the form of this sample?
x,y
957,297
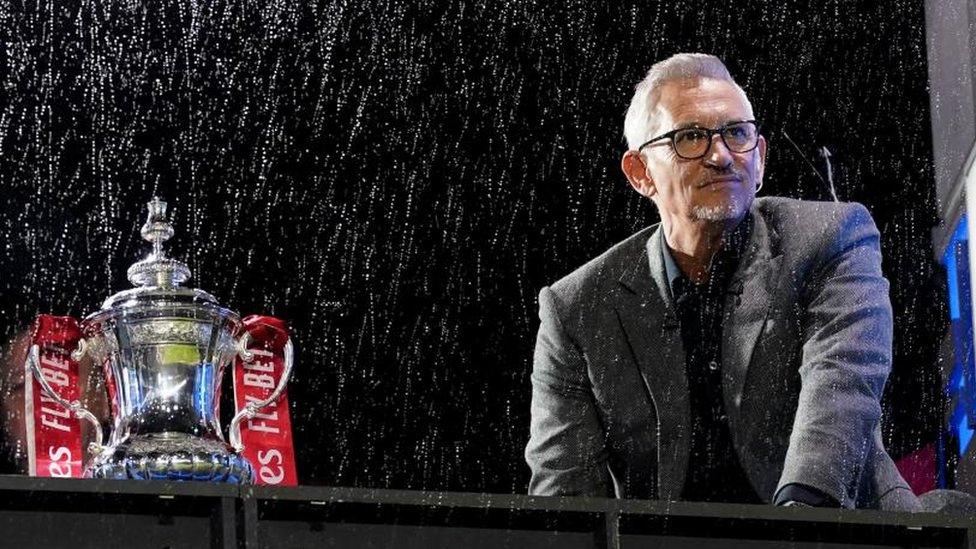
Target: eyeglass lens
x,y
694,142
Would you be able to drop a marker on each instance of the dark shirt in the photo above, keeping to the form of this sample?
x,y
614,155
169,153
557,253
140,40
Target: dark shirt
x,y
714,471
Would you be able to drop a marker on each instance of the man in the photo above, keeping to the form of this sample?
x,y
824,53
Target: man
x,y
737,351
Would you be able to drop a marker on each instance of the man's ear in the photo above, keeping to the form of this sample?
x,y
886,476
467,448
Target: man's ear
x,y
762,157
634,168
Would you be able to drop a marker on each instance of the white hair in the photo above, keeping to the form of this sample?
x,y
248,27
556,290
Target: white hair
x,y
639,122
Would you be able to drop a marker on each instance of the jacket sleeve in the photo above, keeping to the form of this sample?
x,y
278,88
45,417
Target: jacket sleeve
x,y
846,357
566,450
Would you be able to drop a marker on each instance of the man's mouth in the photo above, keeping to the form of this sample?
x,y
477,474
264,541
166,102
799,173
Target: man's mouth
x,y
723,179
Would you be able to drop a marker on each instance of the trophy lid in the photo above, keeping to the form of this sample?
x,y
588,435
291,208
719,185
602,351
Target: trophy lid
x,y
157,277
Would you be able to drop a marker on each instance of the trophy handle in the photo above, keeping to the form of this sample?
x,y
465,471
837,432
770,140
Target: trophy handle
x,y
34,362
251,408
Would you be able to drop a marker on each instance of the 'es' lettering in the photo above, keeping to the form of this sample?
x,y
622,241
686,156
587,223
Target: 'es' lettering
x,y
271,471
60,465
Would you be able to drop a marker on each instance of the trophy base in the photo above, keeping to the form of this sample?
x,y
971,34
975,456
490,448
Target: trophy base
x,y
172,456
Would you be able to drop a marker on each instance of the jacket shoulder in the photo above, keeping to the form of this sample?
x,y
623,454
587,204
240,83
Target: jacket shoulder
x,y
606,268
789,215
813,238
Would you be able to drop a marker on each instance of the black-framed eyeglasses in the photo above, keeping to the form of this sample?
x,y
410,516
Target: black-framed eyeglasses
x,y
694,143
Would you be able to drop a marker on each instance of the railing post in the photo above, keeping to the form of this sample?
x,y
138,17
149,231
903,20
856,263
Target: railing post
x,y
607,534
223,524
247,519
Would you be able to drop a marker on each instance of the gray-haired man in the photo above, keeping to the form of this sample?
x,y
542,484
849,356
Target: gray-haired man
x,y
737,351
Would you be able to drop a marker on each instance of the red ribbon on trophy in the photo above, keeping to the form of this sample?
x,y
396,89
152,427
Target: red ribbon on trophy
x,y
265,429
53,431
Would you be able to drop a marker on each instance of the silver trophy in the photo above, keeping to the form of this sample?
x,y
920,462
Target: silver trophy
x,y
164,349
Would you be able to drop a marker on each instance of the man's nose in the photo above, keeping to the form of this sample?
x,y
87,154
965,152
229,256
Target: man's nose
x,y
718,155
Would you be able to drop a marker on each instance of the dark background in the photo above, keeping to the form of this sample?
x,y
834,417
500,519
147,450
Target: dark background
x,y
399,179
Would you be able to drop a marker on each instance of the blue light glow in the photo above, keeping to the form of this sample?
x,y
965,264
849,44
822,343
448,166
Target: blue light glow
x,y
960,237
964,432
958,386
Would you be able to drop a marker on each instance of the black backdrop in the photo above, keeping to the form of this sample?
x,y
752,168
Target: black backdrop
x,y
398,179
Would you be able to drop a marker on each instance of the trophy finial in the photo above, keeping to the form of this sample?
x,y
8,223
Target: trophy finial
x,y
156,269
157,229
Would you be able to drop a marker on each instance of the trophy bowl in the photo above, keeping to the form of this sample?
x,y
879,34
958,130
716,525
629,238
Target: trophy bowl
x,y
164,350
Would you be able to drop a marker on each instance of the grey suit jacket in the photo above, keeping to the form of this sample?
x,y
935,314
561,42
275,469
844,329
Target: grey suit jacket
x,y
806,351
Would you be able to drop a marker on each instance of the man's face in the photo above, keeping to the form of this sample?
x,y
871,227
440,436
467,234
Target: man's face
x,y
718,187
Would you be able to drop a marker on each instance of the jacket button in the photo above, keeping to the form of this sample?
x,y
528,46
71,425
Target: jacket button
x,y
713,365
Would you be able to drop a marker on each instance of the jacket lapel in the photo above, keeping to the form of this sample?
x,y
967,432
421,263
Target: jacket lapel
x,y
646,312
747,308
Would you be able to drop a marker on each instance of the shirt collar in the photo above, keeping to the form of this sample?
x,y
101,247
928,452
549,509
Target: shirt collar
x,y
735,242
670,267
